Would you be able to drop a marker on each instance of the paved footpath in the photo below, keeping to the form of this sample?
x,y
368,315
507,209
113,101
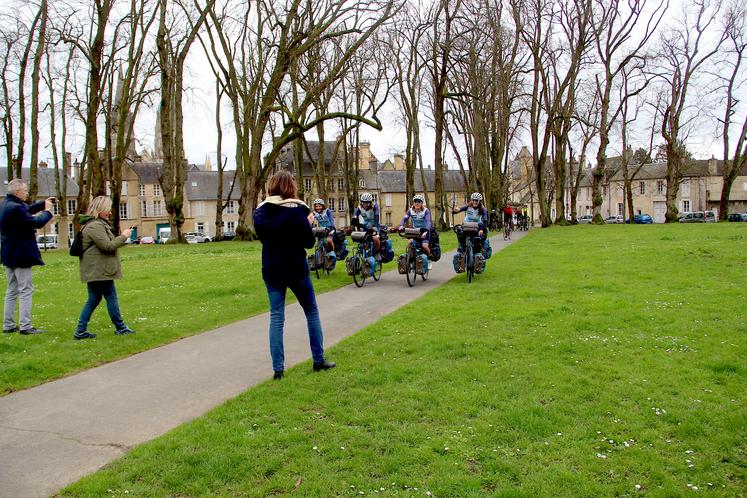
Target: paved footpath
x,y
54,434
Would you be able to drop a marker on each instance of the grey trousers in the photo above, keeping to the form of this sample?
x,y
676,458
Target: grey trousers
x,y
19,285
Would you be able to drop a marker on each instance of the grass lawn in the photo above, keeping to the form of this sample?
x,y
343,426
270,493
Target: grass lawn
x,y
587,361
168,292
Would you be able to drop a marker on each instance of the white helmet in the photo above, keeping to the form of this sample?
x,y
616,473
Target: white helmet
x,y
418,198
477,196
366,197
319,201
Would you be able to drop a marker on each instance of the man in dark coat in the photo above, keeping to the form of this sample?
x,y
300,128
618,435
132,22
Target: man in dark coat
x,y
19,252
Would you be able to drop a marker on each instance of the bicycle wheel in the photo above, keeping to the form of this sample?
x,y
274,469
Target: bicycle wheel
x,y
377,273
358,278
470,262
411,268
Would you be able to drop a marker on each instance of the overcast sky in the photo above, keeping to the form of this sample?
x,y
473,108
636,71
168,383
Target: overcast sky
x,y
200,134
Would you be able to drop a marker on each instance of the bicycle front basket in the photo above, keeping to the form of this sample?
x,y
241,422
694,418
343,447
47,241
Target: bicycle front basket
x,y
358,236
470,227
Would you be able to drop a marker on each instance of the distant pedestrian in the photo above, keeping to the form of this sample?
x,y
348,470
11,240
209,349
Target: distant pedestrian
x,y
99,266
283,225
20,252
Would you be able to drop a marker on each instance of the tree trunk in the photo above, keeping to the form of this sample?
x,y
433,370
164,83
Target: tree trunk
x,y
35,78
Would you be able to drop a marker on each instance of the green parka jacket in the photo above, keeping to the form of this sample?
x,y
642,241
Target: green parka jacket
x,y
100,260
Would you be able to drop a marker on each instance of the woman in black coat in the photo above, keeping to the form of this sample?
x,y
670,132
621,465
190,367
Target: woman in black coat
x,y
283,225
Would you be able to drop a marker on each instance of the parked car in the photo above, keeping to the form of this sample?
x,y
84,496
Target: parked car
x,y
641,219
228,235
196,238
615,219
585,218
46,241
710,216
737,217
694,217
147,240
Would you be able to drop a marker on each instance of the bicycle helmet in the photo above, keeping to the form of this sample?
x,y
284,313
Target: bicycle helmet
x,y
477,196
366,197
418,198
319,201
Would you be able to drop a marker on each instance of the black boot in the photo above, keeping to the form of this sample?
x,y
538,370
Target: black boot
x,y
325,365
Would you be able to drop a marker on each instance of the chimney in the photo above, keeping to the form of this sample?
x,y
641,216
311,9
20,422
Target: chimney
x,y
399,162
712,166
68,166
364,155
43,164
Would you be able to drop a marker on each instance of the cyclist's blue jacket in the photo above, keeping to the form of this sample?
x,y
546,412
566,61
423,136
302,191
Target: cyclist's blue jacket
x,y
477,215
420,219
369,218
325,219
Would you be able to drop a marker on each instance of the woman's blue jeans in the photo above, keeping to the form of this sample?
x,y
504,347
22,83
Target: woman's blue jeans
x,y
97,290
304,292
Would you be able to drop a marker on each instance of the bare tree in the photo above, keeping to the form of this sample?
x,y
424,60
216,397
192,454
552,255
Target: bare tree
x,y
620,43
173,48
587,122
685,49
9,39
737,40
441,46
405,44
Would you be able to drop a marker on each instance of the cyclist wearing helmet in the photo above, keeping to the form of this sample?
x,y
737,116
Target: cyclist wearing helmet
x,y
324,218
474,212
420,217
366,215
508,215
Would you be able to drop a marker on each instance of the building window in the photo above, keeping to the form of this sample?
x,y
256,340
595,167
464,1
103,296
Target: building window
x,y
231,207
156,189
72,204
388,200
199,208
70,232
124,188
660,187
388,218
200,227
375,198
620,208
362,183
141,190
56,209
123,211
157,208
686,188
331,203
686,205
341,204
307,184
143,208
340,184
642,188
231,226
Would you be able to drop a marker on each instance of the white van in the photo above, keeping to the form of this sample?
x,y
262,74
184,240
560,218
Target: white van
x,y
47,241
163,235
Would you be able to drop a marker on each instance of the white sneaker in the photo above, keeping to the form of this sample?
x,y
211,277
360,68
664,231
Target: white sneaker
x,y
430,265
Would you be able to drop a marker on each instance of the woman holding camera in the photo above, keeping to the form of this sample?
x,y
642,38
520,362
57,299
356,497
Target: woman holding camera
x,y
99,266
